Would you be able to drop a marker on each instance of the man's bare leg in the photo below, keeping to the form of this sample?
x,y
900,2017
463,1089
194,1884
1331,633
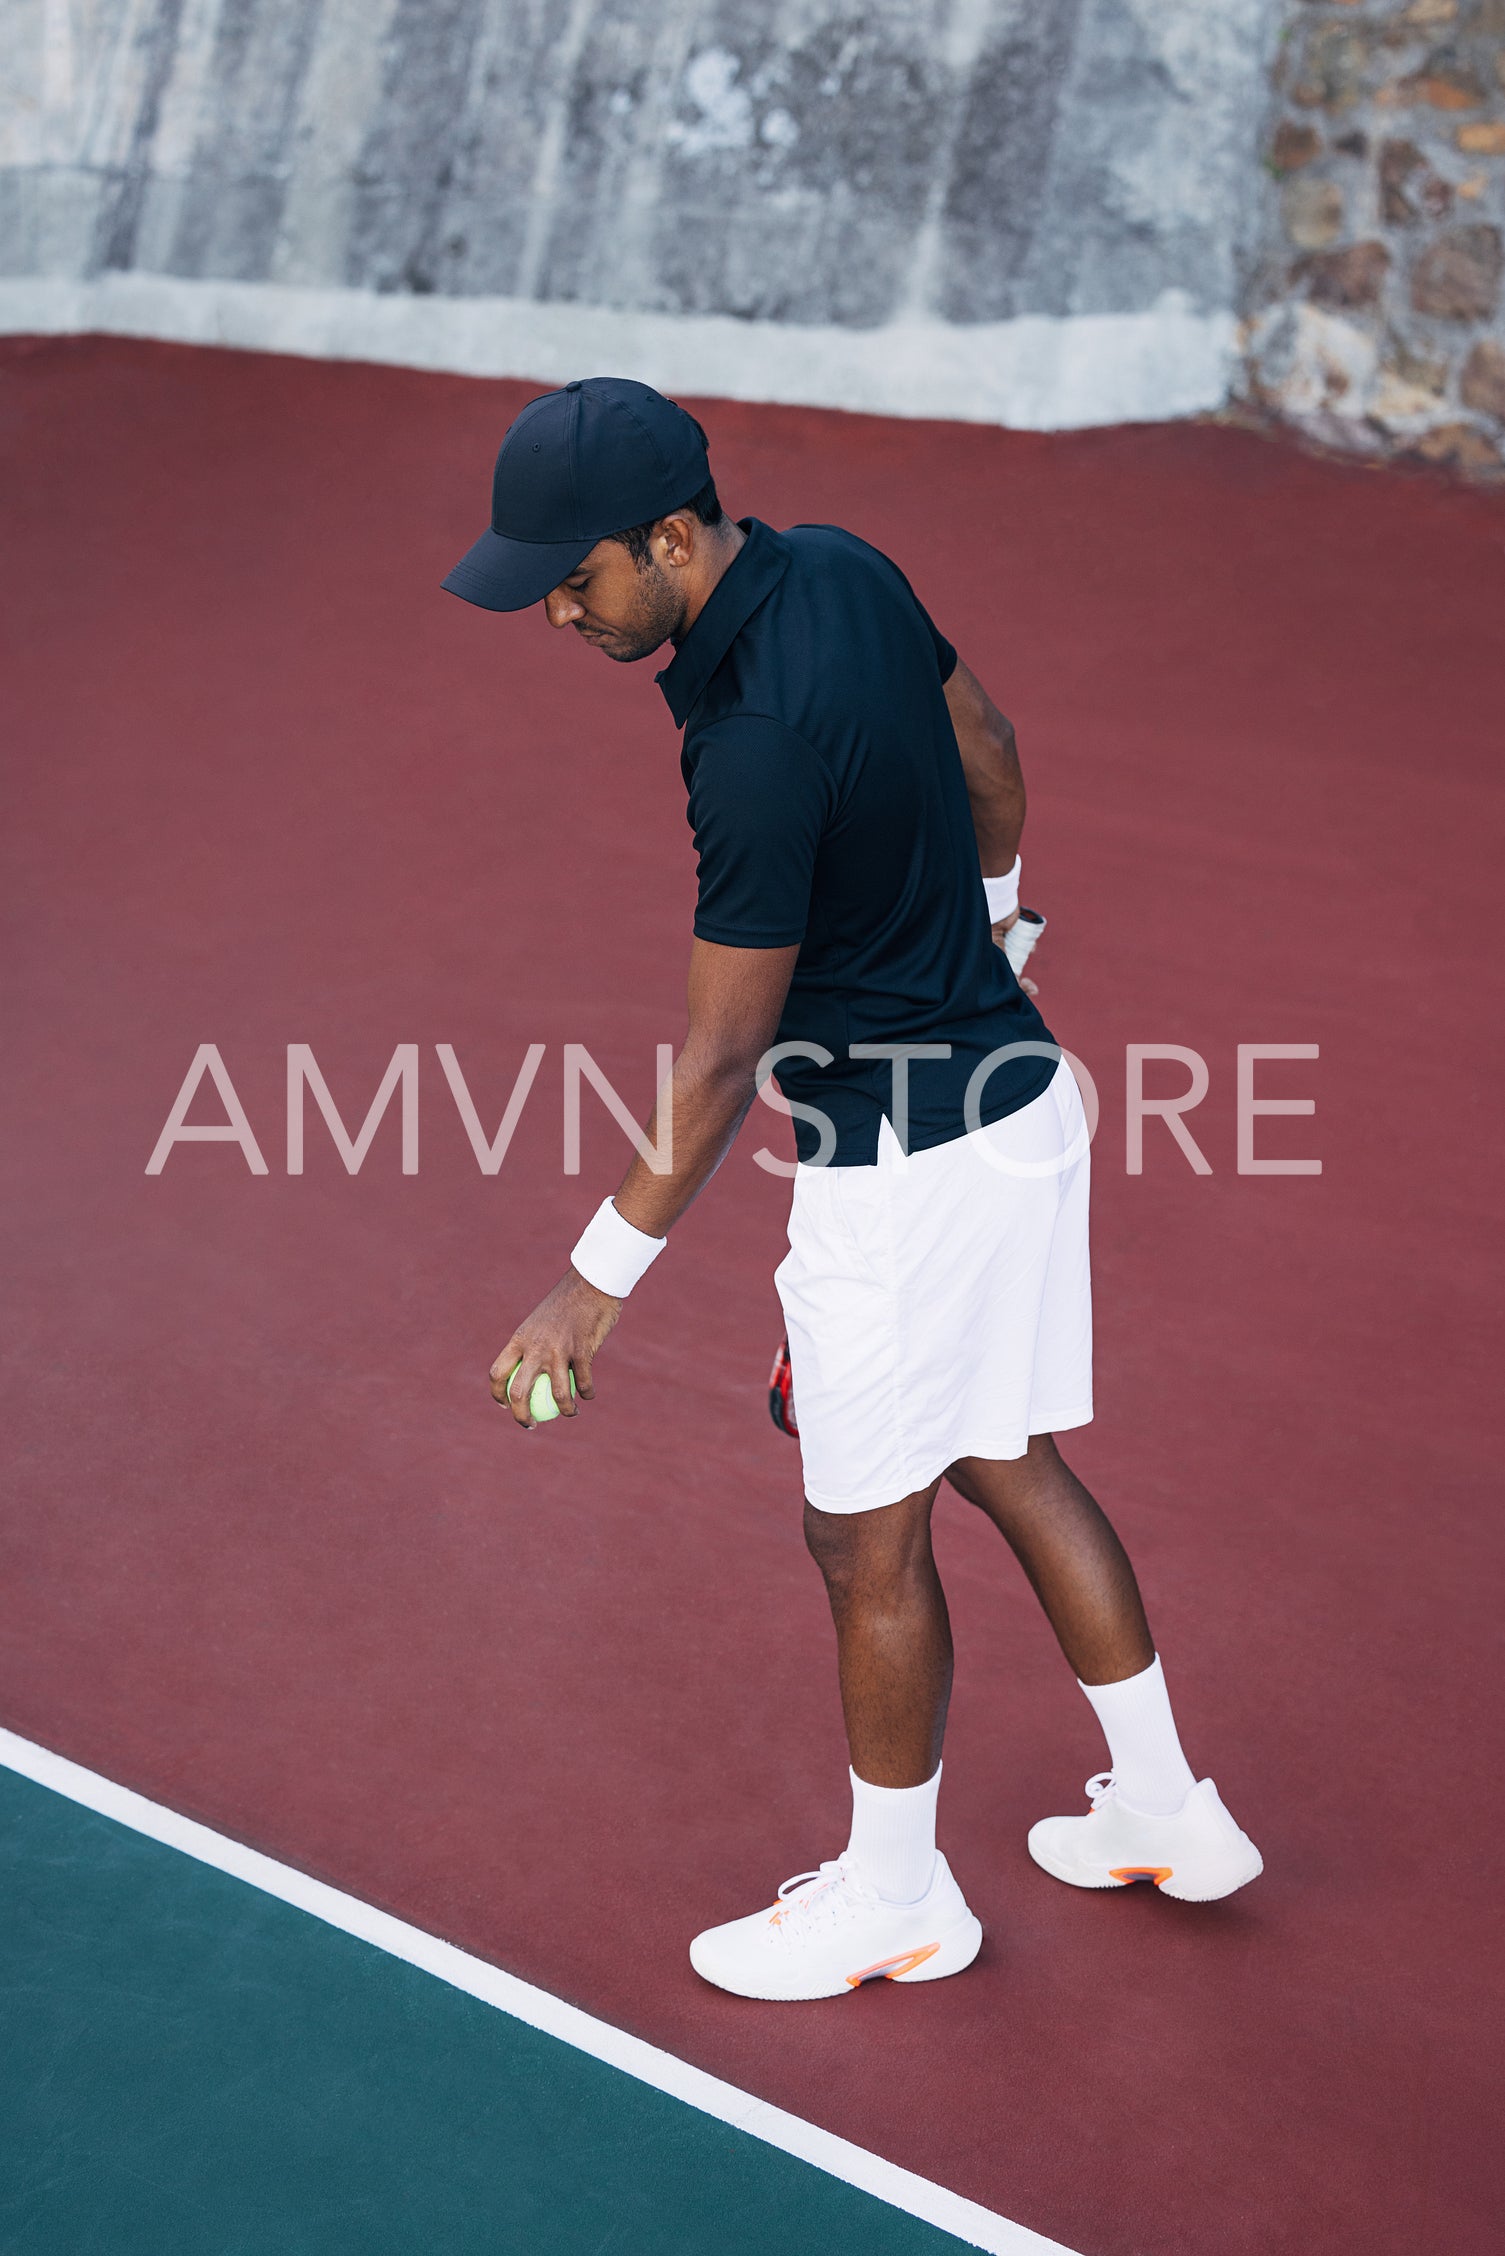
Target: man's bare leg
x,y
1062,1538
889,1908
893,1635
1081,1575
1151,1819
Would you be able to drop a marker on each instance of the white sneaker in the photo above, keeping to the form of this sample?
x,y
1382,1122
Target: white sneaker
x,y
830,1931
1196,1854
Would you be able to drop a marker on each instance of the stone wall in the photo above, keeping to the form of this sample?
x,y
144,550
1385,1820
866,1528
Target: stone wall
x,y
1378,302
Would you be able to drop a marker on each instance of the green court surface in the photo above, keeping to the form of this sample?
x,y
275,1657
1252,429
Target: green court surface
x,y
192,2066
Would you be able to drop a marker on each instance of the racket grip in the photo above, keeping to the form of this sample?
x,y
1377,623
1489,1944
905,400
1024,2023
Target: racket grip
x,y
1020,941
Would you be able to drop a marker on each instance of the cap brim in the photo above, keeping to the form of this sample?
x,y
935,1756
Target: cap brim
x,y
509,575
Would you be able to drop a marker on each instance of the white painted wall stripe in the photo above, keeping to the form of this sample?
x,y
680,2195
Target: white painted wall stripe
x,y
1038,373
935,2204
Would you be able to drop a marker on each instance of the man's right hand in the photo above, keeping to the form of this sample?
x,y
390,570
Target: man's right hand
x,y
562,1335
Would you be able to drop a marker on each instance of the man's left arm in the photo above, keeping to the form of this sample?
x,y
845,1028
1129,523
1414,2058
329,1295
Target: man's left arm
x,y
736,997
990,763
995,788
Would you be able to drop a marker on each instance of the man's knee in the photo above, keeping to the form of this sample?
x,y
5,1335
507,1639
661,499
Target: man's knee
x,y
870,1551
835,1542
990,1481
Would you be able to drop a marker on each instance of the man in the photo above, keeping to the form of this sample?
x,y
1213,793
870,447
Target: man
x,y
857,805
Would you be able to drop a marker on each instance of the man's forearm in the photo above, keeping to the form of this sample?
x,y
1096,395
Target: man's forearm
x,y
995,787
990,764
736,997
709,1093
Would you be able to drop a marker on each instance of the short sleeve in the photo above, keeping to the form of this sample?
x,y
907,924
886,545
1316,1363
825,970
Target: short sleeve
x,y
760,798
945,652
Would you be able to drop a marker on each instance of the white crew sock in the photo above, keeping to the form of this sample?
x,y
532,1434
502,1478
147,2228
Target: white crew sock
x,y
893,1836
1149,1769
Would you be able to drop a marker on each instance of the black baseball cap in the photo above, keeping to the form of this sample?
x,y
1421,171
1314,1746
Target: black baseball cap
x,y
603,454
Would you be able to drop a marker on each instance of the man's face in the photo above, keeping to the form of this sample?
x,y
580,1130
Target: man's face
x,y
618,606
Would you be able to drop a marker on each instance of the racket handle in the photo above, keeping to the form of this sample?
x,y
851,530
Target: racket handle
x,y
1020,940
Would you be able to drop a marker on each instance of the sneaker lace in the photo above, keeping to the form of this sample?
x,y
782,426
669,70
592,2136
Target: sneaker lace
x,y
1100,1789
813,1902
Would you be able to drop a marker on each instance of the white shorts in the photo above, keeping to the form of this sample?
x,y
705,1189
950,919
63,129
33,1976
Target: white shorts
x,y
940,1306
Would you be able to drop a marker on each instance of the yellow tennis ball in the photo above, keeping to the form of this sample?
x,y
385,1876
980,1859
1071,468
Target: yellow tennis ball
x,y
541,1404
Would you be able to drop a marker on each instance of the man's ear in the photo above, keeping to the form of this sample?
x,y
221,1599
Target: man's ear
x,y
678,533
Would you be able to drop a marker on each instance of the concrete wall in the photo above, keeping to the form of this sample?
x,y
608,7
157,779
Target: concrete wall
x,y
1034,210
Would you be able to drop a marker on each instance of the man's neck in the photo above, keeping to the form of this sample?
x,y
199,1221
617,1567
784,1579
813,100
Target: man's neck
x,y
721,552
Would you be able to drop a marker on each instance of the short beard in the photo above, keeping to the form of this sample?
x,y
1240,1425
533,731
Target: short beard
x,y
658,619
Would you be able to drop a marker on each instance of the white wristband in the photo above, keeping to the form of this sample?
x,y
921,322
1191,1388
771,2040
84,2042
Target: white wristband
x,y
612,1255
1003,892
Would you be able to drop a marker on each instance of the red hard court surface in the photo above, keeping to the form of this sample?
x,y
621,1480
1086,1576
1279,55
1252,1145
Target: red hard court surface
x,y
272,1556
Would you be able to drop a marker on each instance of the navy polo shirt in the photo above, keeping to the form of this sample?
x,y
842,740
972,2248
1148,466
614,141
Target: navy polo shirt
x,y
830,811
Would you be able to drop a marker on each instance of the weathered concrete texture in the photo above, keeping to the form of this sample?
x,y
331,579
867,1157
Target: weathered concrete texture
x,y
782,160
1136,173
1378,303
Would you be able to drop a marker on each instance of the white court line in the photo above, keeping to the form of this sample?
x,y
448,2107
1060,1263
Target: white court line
x,y
901,2189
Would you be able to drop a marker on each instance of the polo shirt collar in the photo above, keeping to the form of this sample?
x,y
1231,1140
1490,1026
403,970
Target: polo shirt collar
x,y
759,565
